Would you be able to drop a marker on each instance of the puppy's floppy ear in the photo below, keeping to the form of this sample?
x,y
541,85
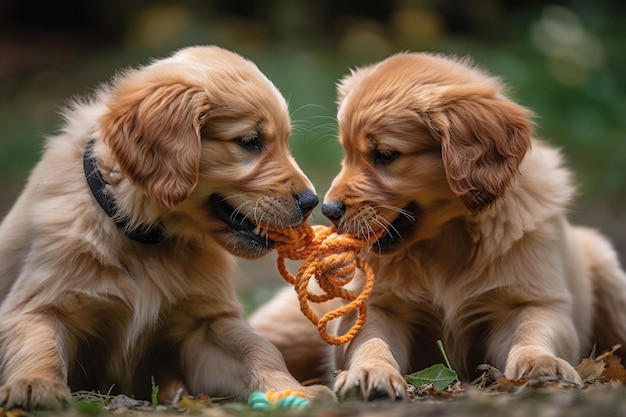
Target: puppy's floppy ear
x,y
483,142
153,130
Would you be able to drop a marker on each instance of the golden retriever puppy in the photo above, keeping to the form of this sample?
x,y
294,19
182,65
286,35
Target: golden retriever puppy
x,y
114,261
477,249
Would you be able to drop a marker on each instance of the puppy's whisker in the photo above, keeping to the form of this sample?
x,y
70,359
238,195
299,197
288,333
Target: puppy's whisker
x,y
277,221
312,105
302,129
408,216
300,123
237,211
402,212
370,230
252,214
260,221
225,199
331,120
390,229
383,225
365,229
396,232
255,210
359,228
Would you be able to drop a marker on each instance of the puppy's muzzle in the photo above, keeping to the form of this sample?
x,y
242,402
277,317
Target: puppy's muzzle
x,y
402,228
249,236
306,201
334,211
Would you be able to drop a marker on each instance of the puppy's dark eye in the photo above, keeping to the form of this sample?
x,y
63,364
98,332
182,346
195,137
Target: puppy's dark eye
x,y
384,156
251,142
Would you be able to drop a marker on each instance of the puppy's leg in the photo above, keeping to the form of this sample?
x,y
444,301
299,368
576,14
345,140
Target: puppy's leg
x,y
608,282
281,322
224,355
372,363
33,363
535,340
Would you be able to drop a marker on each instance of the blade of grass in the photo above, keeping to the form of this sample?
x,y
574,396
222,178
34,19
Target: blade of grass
x,y
443,353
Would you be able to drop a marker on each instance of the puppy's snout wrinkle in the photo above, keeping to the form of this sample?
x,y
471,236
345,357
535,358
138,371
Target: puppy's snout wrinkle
x,y
307,200
334,211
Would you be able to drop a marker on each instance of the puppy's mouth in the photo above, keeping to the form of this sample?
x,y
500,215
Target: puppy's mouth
x,y
251,238
402,230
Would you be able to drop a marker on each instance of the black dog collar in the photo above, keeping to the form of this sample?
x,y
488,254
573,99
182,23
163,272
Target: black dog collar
x,y
97,184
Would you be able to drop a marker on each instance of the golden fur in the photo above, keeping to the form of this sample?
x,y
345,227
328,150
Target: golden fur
x,y
195,143
478,251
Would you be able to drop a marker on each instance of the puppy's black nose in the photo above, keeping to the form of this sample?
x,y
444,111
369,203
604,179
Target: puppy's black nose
x,y
306,200
334,211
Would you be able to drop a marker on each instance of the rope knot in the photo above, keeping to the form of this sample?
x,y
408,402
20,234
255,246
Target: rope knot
x,y
332,259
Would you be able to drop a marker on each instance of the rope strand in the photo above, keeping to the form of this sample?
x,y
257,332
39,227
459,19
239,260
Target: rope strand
x,y
331,258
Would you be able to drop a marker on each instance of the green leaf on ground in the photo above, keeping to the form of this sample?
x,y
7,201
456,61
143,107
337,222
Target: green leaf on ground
x,y
86,406
439,375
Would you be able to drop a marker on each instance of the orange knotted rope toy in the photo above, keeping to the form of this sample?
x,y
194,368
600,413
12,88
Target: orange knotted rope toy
x,y
332,259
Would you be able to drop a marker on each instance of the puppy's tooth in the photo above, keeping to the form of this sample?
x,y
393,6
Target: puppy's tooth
x,y
263,233
257,231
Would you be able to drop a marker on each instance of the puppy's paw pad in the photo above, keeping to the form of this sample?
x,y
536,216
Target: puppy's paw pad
x,y
541,366
370,383
319,393
34,393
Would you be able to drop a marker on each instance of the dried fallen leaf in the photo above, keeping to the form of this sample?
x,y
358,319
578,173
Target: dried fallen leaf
x,y
614,370
199,402
430,390
492,371
194,404
603,368
506,385
14,412
590,369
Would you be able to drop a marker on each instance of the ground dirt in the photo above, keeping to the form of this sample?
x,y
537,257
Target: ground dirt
x,y
531,399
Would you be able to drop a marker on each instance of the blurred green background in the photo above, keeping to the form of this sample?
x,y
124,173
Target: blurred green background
x,y
565,60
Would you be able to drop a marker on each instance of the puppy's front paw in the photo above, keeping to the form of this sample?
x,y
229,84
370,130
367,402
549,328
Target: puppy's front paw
x,y
31,393
370,382
532,363
319,393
